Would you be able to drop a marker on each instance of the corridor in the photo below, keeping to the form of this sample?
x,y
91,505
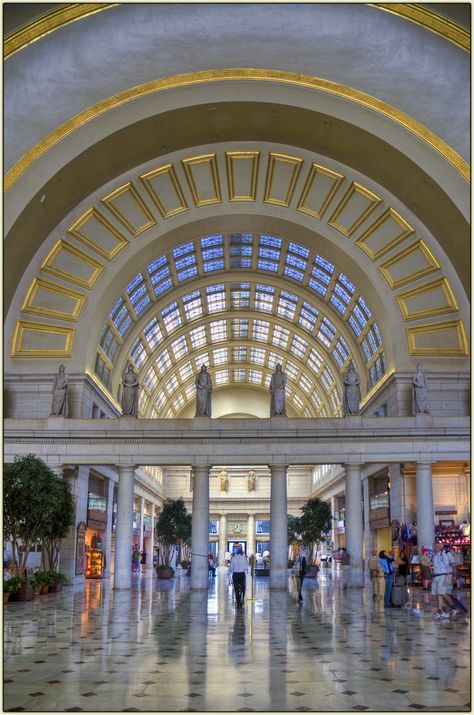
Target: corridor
x,y
160,647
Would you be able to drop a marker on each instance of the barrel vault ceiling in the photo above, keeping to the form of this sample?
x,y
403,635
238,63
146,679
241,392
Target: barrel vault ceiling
x,y
173,211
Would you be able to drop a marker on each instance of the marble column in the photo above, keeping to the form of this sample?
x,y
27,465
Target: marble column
x,y
222,538
124,530
424,505
151,541
333,523
108,529
250,534
368,535
200,529
142,525
354,524
278,528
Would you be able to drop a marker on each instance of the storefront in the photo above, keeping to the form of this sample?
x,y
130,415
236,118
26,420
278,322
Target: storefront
x,y
95,536
379,510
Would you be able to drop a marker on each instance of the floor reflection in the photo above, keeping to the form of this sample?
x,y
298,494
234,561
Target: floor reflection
x,y
161,647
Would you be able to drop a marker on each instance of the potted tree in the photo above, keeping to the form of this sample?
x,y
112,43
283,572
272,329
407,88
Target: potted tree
x,y
173,526
11,587
37,505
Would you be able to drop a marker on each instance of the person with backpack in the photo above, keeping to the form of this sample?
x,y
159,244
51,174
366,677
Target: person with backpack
x,y
299,571
386,562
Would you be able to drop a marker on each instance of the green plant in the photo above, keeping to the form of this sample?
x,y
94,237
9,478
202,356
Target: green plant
x,y
173,526
37,506
315,521
13,584
184,564
42,578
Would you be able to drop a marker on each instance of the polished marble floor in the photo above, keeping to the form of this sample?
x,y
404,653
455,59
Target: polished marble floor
x,y
161,647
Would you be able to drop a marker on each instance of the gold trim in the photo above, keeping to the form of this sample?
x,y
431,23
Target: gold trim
x,y
89,242
62,245
354,188
420,245
390,213
211,161
129,188
185,80
23,326
36,285
443,283
460,351
166,169
49,22
313,173
231,158
273,160
429,20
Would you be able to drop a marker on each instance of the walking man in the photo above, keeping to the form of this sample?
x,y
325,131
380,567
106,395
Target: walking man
x,y
238,568
299,570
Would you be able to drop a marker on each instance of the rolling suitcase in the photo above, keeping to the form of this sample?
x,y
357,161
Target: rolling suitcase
x,y
458,604
399,595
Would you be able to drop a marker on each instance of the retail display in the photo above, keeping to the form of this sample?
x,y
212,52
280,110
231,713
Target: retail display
x,y
95,564
451,535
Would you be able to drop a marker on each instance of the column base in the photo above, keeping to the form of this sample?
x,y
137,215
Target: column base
x,y
199,588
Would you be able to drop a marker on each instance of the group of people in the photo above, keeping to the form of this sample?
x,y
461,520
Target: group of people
x,y
138,559
437,568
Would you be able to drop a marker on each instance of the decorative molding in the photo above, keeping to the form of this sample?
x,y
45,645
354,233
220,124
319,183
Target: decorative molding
x,y
353,195
454,329
23,328
206,76
438,289
63,247
55,290
429,20
49,22
112,201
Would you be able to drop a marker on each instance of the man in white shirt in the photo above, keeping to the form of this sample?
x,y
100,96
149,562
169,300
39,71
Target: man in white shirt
x,y
238,568
440,584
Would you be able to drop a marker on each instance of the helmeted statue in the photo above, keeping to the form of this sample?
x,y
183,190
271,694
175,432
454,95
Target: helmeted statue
x,y
203,393
277,389
59,405
224,480
129,392
420,391
351,390
251,479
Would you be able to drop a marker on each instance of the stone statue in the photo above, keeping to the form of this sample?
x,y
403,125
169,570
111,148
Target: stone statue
x,y
277,389
224,481
59,405
351,391
251,479
203,393
129,392
420,391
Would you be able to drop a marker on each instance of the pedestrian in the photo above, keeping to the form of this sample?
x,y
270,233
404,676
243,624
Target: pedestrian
x,y
299,571
426,572
345,560
211,565
440,584
386,562
376,575
135,558
143,559
238,568
402,567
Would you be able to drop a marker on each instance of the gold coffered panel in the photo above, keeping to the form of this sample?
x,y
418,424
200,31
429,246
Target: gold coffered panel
x,y
128,207
68,262
242,174
388,231
282,174
93,229
414,262
39,340
53,301
430,299
438,339
164,188
357,204
203,179
321,185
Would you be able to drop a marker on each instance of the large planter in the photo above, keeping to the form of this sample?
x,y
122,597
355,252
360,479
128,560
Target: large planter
x,y
6,596
165,572
25,592
44,588
56,587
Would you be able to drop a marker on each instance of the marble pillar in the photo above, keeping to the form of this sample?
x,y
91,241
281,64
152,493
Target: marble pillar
x,y
368,535
108,530
278,528
334,523
200,529
354,525
222,539
424,505
142,524
124,530
250,534
151,541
